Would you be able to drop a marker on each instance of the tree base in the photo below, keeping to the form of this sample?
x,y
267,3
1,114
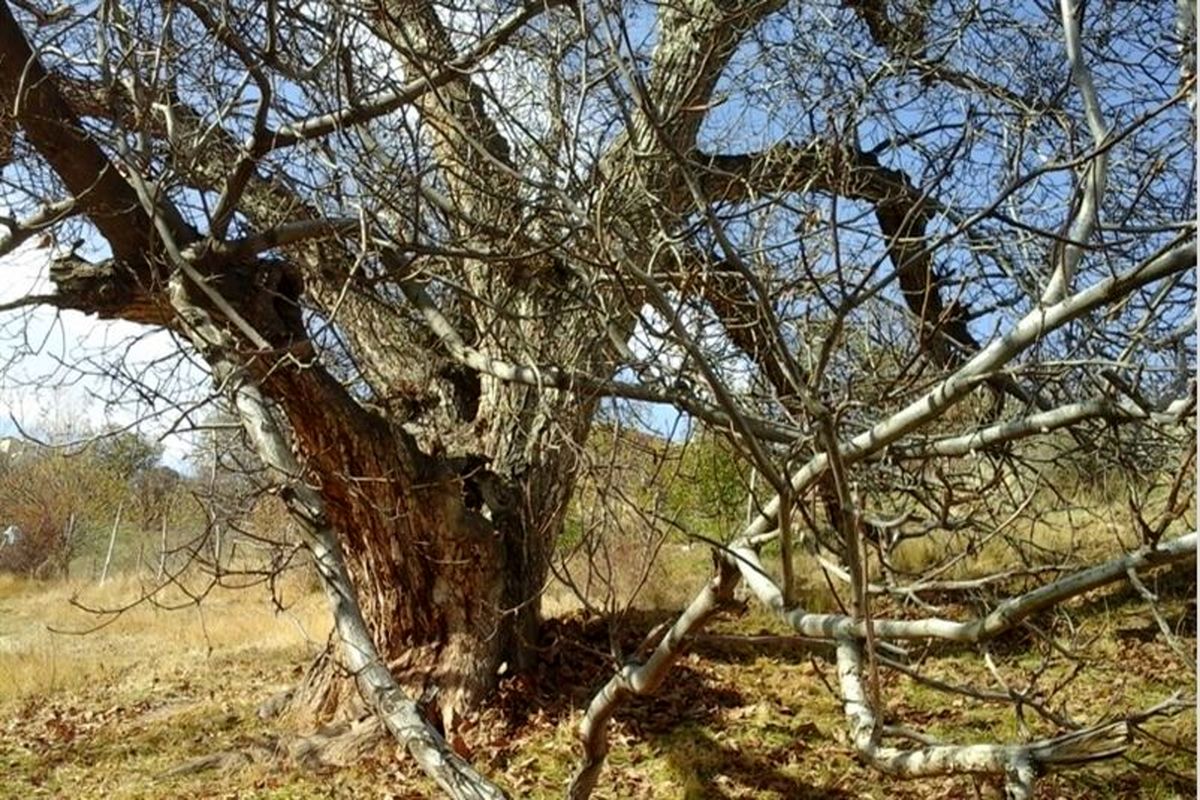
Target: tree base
x,y
340,730
327,697
326,694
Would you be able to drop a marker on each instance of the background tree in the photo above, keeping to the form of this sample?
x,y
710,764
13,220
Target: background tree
x,y
153,490
416,244
134,458
126,453
62,503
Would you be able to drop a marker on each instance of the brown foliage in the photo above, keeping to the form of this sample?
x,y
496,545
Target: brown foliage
x,y
55,500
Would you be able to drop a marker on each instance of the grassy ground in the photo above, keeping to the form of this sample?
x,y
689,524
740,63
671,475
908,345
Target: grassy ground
x,y
116,712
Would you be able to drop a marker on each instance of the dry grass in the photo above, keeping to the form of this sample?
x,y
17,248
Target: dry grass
x,y
112,713
46,647
628,575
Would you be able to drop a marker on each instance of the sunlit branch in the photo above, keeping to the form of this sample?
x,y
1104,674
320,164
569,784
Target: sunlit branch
x,y
1095,174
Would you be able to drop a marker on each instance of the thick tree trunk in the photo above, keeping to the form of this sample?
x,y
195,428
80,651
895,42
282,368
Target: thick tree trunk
x,y
446,499
450,618
449,555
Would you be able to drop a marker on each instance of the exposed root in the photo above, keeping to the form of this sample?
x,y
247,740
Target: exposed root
x,y
336,745
332,746
326,693
275,705
226,761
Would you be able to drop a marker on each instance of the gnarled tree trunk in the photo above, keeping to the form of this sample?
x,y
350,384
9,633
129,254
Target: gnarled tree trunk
x,y
445,471
449,553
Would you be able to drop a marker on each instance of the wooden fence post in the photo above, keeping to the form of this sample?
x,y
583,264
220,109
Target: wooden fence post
x,y
112,539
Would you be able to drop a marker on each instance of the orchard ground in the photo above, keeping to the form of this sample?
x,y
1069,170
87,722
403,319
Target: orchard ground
x,y
159,703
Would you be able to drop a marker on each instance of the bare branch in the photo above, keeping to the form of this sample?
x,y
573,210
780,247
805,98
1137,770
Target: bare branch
x,y
1095,174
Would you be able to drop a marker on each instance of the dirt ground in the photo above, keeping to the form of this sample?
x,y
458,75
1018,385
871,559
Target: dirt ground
x,y
162,704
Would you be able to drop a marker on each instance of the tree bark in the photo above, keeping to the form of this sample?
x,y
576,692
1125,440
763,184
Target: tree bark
x,y
447,555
